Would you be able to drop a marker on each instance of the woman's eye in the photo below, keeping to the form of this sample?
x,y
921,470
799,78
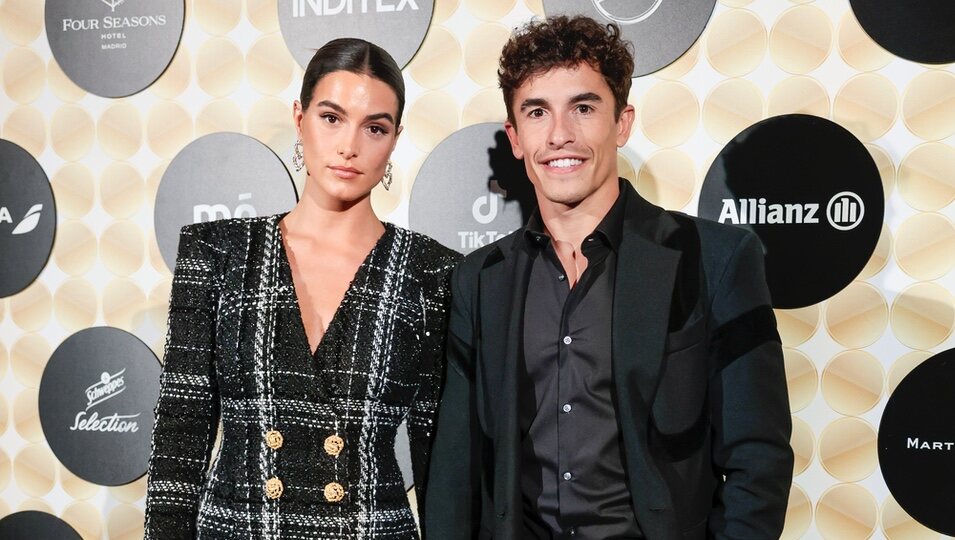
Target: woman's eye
x,y
330,118
377,130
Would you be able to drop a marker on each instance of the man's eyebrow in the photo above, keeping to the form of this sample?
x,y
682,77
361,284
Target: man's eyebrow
x,y
533,102
586,96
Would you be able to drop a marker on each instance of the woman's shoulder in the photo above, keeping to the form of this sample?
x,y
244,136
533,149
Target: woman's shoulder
x,y
222,231
427,251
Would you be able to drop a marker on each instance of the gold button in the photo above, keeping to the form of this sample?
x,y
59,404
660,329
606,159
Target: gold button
x,y
274,439
334,492
334,445
274,488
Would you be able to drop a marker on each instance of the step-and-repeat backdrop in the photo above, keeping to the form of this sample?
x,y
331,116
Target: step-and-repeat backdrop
x,y
826,126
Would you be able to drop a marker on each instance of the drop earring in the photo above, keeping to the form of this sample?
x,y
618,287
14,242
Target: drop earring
x,y
298,155
387,178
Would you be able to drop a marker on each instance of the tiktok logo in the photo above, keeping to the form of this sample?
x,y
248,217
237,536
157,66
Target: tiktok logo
x,y
489,201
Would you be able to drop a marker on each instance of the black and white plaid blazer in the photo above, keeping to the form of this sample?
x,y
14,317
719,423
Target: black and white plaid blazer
x,y
307,441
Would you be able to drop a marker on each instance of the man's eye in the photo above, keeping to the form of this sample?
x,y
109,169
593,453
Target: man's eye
x,y
536,113
584,109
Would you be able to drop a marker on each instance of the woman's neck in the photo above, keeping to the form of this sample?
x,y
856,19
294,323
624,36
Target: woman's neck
x,y
339,221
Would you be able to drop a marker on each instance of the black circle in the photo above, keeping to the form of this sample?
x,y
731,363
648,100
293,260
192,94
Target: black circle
x,y
34,525
917,443
922,31
811,192
27,219
96,402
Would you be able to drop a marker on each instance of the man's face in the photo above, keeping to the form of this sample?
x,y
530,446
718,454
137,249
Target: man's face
x,y
565,131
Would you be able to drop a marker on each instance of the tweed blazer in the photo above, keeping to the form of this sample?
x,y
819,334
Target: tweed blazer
x,y
307,438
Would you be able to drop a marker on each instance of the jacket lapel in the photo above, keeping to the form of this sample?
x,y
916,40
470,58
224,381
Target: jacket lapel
x,y
503,289
646,272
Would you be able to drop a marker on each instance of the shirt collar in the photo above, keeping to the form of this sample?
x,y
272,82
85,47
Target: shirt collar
x,y
609,230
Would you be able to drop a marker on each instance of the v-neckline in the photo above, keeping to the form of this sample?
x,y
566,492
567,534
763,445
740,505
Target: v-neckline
x,y
287,264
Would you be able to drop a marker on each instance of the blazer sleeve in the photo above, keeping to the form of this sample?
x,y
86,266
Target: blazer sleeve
x,y
453,499
423,415
749,404
187,413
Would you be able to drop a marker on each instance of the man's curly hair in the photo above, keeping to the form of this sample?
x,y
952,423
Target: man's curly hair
x,y
561,42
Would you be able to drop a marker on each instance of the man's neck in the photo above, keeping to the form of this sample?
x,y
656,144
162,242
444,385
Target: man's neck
x,y
572,223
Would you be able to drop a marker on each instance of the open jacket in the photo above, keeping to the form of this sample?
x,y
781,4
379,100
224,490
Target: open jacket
x,y
307,439
698,374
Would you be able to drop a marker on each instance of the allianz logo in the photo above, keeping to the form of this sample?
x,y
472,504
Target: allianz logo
x,y
321,8
618,16
844,212
27,224
212,212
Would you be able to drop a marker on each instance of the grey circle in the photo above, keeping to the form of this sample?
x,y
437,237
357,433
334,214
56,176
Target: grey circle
x,y
660,30
219,176
398,26
471,190
114,48
27,219
96,402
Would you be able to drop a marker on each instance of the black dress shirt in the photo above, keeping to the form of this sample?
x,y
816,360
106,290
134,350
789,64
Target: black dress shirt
x,y
573,480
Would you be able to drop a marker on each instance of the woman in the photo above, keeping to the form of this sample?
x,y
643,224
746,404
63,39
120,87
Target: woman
x,y
310,335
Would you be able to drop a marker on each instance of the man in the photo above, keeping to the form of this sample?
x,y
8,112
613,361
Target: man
x,y
614,369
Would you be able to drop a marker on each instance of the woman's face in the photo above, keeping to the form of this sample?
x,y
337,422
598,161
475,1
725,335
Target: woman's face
x,y
348,132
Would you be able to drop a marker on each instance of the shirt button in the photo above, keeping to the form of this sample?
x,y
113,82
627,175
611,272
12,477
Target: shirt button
x,y
568,340
566,407
568,476
561,277
572,531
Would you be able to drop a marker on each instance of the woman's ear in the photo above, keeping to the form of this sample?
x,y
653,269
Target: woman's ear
x,y
297,114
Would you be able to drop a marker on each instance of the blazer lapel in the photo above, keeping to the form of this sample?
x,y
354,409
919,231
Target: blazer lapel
x,y
646,271
503,289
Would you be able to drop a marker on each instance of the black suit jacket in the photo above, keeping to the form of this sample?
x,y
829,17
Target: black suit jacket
x,y
698,372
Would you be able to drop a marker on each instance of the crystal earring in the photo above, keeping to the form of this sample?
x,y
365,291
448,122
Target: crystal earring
x,y
387,178
298,155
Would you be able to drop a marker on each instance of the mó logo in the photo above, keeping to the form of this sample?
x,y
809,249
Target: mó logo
x,y
844,212
616,16
211,212
319,8
27,224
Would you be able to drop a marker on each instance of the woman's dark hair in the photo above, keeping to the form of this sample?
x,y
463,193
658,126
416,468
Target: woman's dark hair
x,y
356,56
565,42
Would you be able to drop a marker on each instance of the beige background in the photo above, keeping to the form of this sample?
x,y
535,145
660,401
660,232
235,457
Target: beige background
x,y
233,73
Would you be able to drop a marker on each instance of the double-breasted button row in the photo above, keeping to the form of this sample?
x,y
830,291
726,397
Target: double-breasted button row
x,y
334,444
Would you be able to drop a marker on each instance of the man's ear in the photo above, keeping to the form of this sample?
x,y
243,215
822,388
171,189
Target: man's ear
x,y
511,130
625,125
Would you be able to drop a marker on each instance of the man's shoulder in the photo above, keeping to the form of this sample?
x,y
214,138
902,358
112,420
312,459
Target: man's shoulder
x,y
472,263
713,237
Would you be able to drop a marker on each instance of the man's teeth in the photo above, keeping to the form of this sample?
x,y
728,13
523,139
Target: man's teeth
x,y
563,163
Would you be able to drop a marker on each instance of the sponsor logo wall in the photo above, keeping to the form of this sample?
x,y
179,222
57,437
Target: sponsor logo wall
x,y
826,127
